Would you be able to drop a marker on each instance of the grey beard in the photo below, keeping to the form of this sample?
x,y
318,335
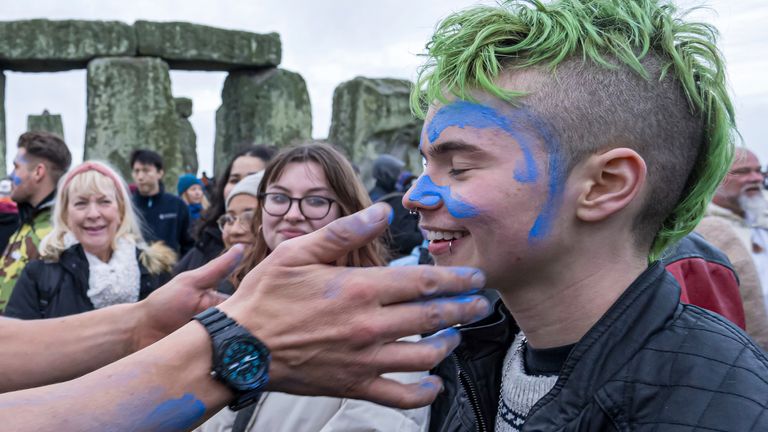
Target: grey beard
x,y
753,206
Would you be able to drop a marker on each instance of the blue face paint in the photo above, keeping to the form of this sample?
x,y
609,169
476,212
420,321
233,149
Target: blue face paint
x,y
427,193
463,114
174,415
15,179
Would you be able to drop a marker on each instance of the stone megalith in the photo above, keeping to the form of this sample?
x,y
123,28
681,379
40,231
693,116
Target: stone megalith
x,y
198,47
45,122
187,136
268,107
372,117
2,124
130,106
41,45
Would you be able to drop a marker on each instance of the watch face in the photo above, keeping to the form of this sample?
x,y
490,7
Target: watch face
x,y
244,364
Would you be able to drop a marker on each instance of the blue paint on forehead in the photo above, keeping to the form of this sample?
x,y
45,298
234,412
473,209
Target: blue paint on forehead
x,y
515,123
174,415
427,193
463,114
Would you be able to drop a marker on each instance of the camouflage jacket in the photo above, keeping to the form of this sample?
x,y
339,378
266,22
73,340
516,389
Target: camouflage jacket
x,y
23,247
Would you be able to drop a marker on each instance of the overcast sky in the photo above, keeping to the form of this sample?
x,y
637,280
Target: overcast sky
x,y
329,42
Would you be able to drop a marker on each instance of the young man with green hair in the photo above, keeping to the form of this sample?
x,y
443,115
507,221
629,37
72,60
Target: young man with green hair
x,y
567,144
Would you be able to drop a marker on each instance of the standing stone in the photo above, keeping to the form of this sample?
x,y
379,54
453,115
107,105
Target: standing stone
x,y
41,45
198,47
187,136
130,106
2,124
268,107
45,122
373,117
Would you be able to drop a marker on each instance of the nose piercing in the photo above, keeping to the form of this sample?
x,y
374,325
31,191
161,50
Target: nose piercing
x,y
450,247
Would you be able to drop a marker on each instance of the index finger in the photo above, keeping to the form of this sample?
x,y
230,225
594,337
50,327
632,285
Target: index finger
x,y
393,285
336,239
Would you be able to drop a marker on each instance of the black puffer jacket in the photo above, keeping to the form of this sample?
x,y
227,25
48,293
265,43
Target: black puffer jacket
x,y
55,289
650,363
209,246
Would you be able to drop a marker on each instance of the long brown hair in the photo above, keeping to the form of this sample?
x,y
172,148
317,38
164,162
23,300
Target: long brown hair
x,y
352,197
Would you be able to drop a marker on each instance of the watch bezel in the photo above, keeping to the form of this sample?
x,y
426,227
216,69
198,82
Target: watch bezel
x,y
262,364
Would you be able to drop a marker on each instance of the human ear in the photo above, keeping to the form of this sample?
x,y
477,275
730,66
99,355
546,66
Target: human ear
x,y
40,170
610,183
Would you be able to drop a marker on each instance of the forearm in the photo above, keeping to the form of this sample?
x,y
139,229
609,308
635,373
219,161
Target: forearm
x,y
41,352
166,386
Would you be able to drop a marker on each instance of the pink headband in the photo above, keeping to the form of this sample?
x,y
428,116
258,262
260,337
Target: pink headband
x,y
92,166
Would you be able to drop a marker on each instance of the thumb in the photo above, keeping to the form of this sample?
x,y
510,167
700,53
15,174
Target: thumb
x,y
215,271
336,239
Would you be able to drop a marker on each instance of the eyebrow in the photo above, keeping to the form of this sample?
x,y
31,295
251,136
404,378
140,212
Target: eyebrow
x,y
446,147
309,191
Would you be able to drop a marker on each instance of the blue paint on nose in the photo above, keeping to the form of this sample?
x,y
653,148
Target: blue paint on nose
x,y
427,193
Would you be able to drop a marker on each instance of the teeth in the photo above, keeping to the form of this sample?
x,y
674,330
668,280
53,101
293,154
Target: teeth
x,y
444,235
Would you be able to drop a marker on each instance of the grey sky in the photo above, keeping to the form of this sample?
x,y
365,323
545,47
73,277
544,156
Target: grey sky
x,y
331,42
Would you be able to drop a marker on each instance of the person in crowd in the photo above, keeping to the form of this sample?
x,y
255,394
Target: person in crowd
x,y
169,384
567,144
404,234
242,202
235,224
42,158
737,223
95,256
304,189
9,213
706,277
209,243
386,172
190,190
165,216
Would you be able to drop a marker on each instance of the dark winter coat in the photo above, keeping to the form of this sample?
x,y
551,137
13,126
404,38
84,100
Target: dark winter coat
x,y
48,289
166,218
650,363
207,247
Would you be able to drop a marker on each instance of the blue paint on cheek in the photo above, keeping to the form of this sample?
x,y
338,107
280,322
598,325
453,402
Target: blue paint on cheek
x,y
543,224
174,415
15,179
427,193
463,114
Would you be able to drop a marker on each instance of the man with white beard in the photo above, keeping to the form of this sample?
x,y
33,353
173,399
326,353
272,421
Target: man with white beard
x,y
740,203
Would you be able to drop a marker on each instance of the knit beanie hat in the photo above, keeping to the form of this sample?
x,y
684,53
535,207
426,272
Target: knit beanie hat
x,y
249,186
186,181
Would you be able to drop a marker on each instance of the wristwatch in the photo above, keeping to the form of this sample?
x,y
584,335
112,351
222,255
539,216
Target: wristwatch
x,y
240,361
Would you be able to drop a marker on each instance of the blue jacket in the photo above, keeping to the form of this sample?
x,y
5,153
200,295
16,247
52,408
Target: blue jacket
x,y
166,218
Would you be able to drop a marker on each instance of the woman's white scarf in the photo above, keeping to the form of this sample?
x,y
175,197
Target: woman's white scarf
x,y
114,282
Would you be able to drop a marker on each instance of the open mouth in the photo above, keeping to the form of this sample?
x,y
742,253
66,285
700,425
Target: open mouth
x,y
93,230
442,242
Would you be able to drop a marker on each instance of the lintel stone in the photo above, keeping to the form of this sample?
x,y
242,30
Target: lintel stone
x,y
197,47
41,45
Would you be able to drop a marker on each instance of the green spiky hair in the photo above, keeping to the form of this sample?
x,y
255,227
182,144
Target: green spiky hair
x,y
469,48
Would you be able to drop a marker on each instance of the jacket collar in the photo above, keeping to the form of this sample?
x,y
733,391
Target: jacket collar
x,y
644,308
27,212
143,198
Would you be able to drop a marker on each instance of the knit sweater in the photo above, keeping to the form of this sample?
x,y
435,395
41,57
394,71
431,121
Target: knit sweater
x,y
519,391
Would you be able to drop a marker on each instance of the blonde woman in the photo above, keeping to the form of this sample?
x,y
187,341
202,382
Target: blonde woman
x,y
95,256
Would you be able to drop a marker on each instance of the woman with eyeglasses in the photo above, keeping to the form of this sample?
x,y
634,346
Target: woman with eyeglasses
x,y
235,223
304,189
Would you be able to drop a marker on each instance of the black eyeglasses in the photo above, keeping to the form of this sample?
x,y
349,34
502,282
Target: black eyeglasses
x,y
312,206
